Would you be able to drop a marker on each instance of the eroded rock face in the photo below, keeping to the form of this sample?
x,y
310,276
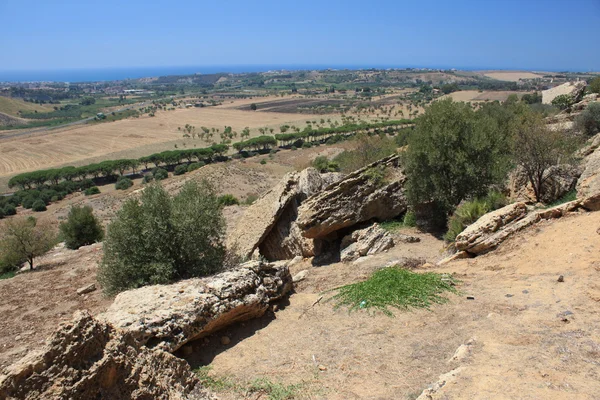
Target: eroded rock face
x,y
574,89
89,359
270,220
365,242
168,316
588,185
356,198
560,180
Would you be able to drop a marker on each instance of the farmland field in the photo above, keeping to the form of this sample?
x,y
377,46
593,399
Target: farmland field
x,y
476,96
129,138
512,76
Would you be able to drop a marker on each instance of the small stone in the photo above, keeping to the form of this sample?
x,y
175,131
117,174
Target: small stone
x,y
86,289
181,290
275,307
470,298
509,295
300,276
561,278
322,367
525,291
17,338
225,340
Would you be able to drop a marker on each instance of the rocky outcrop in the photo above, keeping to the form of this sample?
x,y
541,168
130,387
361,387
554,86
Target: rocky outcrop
x,y
559,180
269,224
588,185
371,193
89,359
495,227
364,242
574,89
168,316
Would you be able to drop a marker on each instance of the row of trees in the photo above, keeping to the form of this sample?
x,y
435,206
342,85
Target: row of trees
x,y
109,168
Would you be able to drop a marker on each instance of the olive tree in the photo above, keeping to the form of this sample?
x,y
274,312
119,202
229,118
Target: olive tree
x,y
26,238
81,228
159,239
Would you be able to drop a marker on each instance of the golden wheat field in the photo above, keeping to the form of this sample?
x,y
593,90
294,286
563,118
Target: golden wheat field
x,y
132,137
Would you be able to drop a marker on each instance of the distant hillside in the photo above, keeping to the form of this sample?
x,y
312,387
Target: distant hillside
x,y
12,106
6,120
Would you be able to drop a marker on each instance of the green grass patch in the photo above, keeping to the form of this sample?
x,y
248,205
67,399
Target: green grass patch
x,y
569,196
7,275
262,386
395,287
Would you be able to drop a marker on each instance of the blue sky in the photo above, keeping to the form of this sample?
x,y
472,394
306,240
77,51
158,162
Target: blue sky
x,y
509,34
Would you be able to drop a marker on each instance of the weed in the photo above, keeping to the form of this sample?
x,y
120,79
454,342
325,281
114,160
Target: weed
x,y
274,391
395,287
569,196
7,275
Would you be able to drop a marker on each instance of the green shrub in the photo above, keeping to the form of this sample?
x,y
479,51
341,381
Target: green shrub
x,y
123,183
81,228
263,161
470,211
9,209
294,148
589,120
38,205
322,164
91,191
250,199
595,85
28,201
194,166
159,239
147,178
2,214
563,102
368,150
160,174
306,145
228,200
410,219
180,170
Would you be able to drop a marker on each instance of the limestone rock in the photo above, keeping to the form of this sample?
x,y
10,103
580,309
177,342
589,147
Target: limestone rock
x,y
168,316
364,242
560,180
476,237
86,289
356,198
269,224
88,359
574,89
588,185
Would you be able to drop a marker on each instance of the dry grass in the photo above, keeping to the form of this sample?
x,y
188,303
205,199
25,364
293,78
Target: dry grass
x,y
512,76
477,96
13,106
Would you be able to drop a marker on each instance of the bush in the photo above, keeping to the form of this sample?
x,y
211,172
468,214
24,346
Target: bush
x,y
369,149
263,161
250,199
180,169
563,102
2,214
147,178
470,211
322,164
38,205
91,191
194,166
595,85
123,183
306,145
9,209
589,120
160,239
28,201
410,219
81,228
160,174
293,148
228,200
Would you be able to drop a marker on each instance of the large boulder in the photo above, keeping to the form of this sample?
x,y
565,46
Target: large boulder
x,y
361,196
89,359
168,316
363,242
495,227
573,89
271,219
559,180
588,185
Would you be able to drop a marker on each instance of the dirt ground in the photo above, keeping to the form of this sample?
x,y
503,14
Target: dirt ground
x,y
530,336
477,96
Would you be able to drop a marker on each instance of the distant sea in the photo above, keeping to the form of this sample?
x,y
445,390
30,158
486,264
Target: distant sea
x,y
112,74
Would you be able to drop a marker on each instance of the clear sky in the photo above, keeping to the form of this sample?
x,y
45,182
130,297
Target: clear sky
x,y
509,34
